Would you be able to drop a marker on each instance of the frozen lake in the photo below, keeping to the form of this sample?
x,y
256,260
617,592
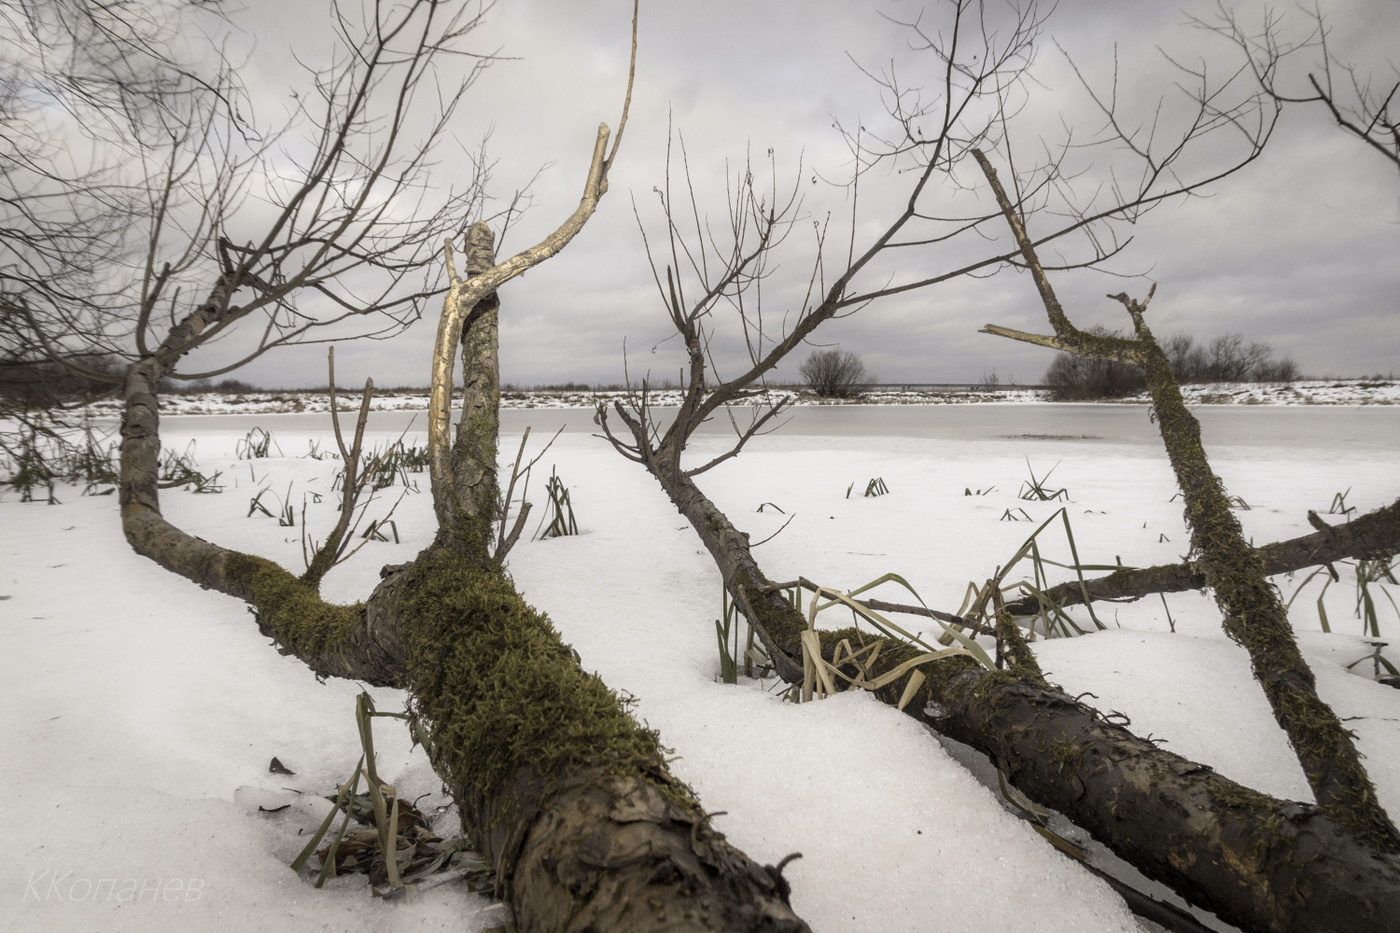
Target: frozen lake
x,y
1233,431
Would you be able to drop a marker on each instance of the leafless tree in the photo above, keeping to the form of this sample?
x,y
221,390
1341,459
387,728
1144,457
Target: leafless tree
x,y
980,58
1227,358
835,373
81,81
1230,358
568,797
979,62
1187,358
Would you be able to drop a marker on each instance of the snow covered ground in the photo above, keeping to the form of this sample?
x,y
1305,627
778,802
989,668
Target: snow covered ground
x,y
1315,392
139,713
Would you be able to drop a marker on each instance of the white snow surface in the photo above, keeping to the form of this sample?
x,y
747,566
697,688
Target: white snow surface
x,y
1376,391
139,713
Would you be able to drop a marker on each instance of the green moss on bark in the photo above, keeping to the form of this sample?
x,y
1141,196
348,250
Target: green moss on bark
x,y
1259,816
291,610
1021,660
1255,618
783,623
502,695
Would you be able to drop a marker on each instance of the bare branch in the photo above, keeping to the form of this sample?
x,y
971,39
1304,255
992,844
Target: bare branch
x,y
331,553
1364,108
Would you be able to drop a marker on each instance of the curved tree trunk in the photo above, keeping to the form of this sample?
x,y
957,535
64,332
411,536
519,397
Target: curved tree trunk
x,y
567,796
1258,862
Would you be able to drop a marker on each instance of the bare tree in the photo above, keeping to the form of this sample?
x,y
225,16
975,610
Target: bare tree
x,y
1187,358
83,83
1281,370
1174,819
835,373
569,798
980,57
1229,358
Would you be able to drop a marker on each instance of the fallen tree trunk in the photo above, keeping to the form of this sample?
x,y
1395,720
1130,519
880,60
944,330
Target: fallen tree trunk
x,y
1263,864
1253,615
567,796
569,799
1375,534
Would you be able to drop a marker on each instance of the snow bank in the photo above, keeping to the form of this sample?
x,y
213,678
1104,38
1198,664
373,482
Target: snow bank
x,y
139,713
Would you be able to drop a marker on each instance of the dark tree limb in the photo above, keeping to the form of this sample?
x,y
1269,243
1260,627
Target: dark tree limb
x,y
357,642
1375,534
1254,615
1260,863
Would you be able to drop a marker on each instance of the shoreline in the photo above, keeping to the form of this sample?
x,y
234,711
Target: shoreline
x,y
1332,392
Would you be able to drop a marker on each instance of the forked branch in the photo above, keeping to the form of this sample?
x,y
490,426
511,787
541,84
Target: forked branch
x,y
464,479
321,559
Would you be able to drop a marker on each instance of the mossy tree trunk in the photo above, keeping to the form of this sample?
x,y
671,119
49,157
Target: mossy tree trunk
x,y
1254,615
569,798
1261,863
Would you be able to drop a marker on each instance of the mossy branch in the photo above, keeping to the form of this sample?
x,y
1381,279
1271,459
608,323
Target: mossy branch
x,y
1254,616
1375,534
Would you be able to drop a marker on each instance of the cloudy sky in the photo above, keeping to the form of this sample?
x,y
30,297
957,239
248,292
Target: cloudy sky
x,y
1298,249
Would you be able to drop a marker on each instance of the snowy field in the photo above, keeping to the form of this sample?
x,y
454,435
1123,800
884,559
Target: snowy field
x,y
1377,391
139,713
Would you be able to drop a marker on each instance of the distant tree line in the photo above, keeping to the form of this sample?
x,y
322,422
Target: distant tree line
x,y
35,385
1227,358
41,384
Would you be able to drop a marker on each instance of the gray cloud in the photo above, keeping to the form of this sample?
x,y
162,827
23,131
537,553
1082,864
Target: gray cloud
x,y
1297,249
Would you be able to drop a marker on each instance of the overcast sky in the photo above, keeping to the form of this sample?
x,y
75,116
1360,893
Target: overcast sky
x,y
1298,249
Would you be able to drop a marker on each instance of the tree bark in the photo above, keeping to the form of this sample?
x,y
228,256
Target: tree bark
x,y
1253,614
1375,534
1263,864
567,796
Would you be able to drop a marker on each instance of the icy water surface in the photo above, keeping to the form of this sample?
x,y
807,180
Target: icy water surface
x,y
1232,431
